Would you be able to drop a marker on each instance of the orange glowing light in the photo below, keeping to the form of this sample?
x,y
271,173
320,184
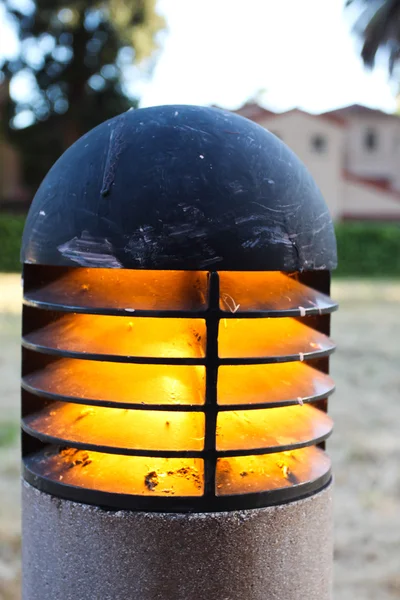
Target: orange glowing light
x,y
264,472
270,427
125,289
265,290
281,382
119,474
120,428
98,386
148,337
128,383
274,337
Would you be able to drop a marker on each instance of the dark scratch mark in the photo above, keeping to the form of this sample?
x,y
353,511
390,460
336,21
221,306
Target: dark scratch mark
x,y
211,261
195,130
115,149
292,477
251,243
267,208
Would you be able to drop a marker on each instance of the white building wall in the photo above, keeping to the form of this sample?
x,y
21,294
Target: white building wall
x,y
396,159
381,162
361,200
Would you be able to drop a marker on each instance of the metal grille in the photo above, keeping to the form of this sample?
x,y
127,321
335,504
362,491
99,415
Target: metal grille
x,y
176,391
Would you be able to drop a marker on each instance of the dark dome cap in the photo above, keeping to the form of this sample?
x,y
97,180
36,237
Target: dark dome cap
x,y
180,187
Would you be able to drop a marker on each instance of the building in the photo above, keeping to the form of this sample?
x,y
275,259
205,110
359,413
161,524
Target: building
x,y
353,154
13,192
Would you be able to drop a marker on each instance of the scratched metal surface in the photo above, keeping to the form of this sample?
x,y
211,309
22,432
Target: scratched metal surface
x,y
180,187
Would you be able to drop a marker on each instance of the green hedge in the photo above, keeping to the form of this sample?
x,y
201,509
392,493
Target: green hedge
x,y
368,249
9,433
11,227
365,249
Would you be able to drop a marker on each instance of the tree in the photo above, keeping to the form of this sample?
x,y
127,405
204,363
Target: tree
x,y
73,54
379,28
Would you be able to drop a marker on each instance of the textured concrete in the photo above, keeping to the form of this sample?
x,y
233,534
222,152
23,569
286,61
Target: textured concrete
x,y
77,552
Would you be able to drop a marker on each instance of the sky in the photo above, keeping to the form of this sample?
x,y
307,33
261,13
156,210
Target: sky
x,y
286,53
297,52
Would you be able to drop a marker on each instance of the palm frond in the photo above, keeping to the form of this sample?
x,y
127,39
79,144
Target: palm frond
x,y
381,30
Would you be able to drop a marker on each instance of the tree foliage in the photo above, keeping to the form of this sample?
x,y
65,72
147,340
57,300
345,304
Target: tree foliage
x,y
379,28
73,54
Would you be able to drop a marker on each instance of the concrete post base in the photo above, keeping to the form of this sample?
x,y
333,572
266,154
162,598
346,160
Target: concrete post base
x,y
79,552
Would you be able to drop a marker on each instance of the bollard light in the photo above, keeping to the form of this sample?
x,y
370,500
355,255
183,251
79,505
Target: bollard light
x,y
176,325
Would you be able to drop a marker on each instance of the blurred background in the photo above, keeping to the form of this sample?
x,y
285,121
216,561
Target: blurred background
x,y
324,76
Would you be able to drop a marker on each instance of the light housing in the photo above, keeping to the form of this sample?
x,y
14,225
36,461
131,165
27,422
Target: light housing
x,y
177,317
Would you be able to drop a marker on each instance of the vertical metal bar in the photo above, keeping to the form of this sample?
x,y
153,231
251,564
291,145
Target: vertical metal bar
x,y
212,360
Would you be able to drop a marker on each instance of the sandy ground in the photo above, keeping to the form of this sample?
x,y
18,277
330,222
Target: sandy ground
x,y
365,446
9,454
